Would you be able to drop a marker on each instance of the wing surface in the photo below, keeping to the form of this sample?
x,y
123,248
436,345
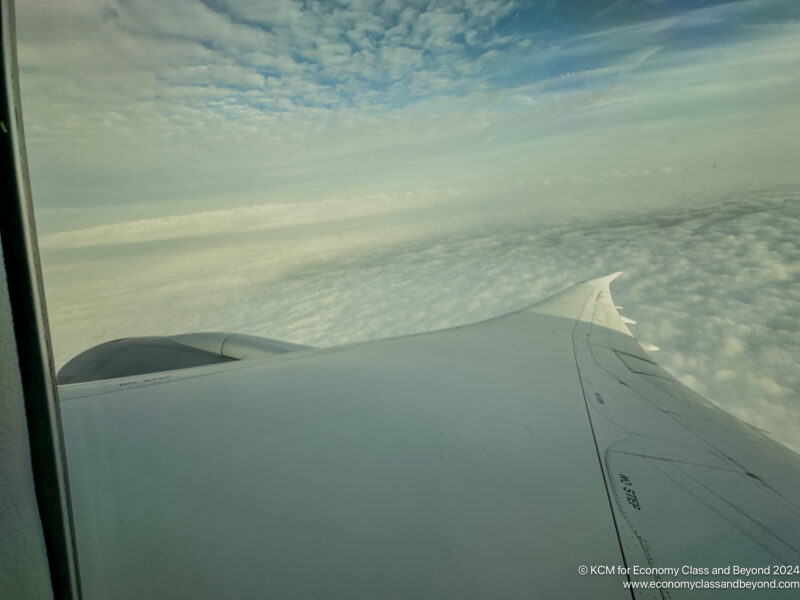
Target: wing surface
x,y
691,484
483,461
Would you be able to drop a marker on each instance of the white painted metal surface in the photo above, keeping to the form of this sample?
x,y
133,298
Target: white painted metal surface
x,y
486,461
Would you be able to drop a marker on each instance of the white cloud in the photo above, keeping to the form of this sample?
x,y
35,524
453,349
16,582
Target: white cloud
x,y
211,141
240,220
711,280
192,20
223,75
132,102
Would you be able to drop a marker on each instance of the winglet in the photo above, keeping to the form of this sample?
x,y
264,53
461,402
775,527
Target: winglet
x,y
611,318
570,302
603,282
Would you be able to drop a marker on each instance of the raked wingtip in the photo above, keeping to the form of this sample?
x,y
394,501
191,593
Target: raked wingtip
x,y
605,281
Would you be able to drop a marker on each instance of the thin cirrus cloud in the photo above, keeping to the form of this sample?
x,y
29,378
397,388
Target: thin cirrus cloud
x,y
327,172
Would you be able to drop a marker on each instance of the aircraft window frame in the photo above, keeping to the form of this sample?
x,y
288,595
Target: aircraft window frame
x,y
31,332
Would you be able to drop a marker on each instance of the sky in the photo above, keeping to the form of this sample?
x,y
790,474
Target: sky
x,y
328,172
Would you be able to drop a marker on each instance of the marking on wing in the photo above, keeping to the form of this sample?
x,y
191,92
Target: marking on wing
x,y
625,385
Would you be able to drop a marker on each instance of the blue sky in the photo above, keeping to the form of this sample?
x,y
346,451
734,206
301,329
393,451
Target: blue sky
x,y
330,172
180,104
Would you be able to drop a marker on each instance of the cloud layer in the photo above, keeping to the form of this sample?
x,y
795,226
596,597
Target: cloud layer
x,y
187,104
326,172
714,282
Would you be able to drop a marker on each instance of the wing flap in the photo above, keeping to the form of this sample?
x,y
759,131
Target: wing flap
x,y
691,484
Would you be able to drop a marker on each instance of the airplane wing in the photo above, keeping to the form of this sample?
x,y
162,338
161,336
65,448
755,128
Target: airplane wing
x,y
485,461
